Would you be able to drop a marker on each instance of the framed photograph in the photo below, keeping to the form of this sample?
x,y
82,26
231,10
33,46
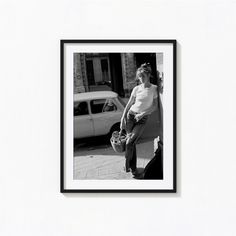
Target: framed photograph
x,y
118,116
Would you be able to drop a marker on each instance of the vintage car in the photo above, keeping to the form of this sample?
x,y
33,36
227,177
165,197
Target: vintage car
x,y
97,113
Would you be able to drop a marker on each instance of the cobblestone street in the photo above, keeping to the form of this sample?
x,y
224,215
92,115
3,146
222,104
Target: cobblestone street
x,y
101,162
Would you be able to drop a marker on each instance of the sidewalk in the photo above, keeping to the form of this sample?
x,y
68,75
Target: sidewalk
x,y
104,163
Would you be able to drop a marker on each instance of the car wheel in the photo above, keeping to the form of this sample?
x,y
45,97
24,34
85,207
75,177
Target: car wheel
x,y
115,127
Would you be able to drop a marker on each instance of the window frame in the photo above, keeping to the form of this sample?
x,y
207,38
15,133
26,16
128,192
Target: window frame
x,y
87,107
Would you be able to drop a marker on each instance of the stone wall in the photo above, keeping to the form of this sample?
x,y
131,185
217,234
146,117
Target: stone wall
x,y
128,70
159,60
80,78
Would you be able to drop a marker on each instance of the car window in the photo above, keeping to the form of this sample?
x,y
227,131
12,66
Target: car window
x,y
80,108
109,106
97,105
121,101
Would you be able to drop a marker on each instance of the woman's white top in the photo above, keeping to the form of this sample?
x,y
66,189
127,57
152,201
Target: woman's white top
x,y
143,97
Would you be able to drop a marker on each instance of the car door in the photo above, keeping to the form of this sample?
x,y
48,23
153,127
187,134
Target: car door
x,y
105,114
83,123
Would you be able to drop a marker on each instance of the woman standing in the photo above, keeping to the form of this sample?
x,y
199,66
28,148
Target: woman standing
x,y
142,102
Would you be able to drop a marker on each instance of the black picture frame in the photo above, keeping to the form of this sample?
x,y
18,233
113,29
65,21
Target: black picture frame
x,y
64,42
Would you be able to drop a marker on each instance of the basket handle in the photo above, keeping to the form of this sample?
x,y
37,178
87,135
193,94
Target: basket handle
x,y
120,132
124,133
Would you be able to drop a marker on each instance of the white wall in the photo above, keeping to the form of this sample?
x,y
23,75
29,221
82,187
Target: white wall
x,y
30,202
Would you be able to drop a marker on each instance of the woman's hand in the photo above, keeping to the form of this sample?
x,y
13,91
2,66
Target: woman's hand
x,y
139,116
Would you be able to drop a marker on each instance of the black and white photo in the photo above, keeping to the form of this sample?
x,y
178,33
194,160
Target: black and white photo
x,y
118,114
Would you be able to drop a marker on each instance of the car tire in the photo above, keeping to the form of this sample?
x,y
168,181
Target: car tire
x,y
115,127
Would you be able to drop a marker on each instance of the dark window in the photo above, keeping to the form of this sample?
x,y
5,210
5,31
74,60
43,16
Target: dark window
x,y
104,66
97,105
80,108
90,72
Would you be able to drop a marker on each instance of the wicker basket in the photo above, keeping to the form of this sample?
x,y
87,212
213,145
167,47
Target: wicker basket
x,y
118,140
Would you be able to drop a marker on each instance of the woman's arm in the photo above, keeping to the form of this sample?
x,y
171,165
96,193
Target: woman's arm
x,y
127,107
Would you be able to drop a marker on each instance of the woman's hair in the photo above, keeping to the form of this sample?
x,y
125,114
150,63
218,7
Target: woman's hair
x,y
144,68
